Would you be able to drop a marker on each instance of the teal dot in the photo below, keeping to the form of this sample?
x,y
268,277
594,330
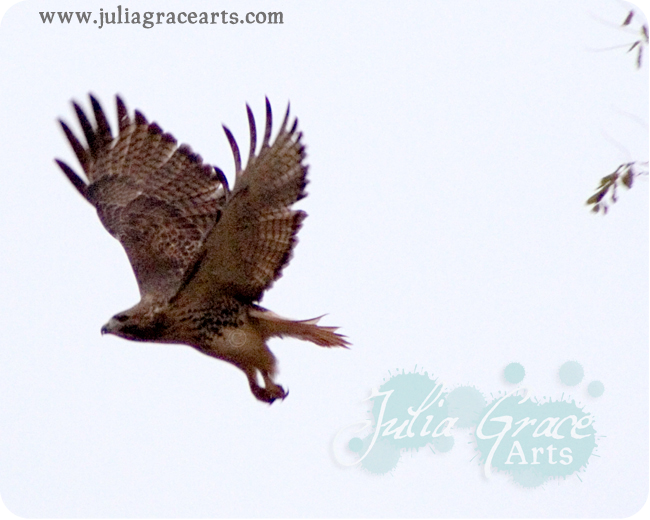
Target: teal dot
x,y
571,373
355,444
514,373
596,389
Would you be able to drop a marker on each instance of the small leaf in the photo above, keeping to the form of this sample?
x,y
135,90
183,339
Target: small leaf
x,y
644,31
596,208
627,179
638,60
596,197
628,20
608,179
634,45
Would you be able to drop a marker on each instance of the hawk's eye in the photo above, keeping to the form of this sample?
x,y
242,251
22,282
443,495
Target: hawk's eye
x,y
121,318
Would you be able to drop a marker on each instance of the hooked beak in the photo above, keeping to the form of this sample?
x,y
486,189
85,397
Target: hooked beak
x,y
110,326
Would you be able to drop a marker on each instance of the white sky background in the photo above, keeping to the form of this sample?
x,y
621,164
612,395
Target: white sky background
x,y
452,146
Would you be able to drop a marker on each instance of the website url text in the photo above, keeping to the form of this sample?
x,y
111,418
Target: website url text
x,y
149,18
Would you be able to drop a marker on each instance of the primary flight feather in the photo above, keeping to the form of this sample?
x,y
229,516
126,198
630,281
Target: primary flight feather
x,y
201,253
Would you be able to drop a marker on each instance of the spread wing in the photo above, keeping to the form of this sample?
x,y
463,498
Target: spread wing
x,y
254,239
159,200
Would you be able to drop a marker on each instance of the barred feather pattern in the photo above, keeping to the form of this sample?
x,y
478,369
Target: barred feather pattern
x,y
255,238
158,199
280,176
271,251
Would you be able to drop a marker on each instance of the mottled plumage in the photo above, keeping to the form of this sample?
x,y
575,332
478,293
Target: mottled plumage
x,y
202,254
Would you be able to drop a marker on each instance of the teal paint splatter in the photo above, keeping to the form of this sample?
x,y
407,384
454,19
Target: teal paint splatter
x,y
382,458
355,444
530,440
529,477
442,444
596,389
409,411
535,441
514,373
466,403
571,373
409,392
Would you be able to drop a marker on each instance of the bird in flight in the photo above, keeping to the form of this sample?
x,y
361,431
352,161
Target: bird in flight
x,y
202,254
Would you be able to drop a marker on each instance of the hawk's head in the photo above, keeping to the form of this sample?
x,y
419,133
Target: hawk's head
x,y
136,324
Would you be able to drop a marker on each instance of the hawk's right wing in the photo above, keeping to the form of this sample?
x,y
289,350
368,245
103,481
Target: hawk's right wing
x,y
159,200
254,239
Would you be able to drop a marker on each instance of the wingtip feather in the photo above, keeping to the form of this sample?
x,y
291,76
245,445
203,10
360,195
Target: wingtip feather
x,y
85,126
140,119
103,132
269,124
77,147
253,132
123,119
234,148
76,181
286,119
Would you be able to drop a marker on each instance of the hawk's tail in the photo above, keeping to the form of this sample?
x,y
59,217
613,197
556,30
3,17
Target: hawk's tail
x,y
273,325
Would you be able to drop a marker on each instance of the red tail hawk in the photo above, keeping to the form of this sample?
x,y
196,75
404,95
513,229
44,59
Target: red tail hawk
x,y
202,254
